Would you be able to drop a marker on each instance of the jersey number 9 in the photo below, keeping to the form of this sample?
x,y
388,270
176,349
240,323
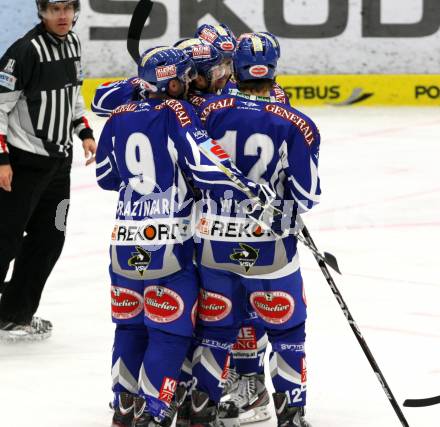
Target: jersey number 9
x,y
140,163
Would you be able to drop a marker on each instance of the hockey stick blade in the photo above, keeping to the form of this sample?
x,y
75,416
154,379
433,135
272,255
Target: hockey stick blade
x,y
419,403
326,258
332,262
140,15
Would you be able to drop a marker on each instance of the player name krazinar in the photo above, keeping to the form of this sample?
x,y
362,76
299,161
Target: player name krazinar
x,y
143,208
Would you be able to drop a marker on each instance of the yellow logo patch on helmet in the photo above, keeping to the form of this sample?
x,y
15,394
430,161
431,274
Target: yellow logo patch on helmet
x,y
257,43
188,43
271,39
221,30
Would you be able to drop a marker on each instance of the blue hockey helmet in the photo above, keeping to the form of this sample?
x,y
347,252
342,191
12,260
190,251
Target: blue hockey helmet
x,y
255,58
159,65
178,42
206,57
220,36
272,38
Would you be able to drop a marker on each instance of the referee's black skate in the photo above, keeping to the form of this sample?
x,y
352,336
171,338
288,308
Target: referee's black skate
x,y
37,330
41,324
288,416
124,412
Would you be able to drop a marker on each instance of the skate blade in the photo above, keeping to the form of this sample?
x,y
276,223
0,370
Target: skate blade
x,y
255,415
13,337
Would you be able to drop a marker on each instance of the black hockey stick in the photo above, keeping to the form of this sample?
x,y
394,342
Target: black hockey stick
x,y
356,330
140,15
419,403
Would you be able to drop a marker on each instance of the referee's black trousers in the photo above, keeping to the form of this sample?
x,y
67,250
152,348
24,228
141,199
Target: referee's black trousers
x,y
29,230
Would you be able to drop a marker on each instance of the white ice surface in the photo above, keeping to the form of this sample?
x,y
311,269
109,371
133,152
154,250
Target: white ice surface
x,y
379,214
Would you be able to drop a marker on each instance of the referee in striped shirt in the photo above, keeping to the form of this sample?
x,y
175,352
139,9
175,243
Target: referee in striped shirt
x,y
40,108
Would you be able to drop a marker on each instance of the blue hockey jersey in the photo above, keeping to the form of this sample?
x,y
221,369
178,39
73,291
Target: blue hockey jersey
x,y
270,143
197,99
111,95
277,91
147,152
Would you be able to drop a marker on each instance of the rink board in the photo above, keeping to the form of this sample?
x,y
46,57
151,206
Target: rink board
x,y
343,90
372,90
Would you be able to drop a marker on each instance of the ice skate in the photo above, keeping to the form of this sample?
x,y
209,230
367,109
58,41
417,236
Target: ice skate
x,y
178,402
141,418
288,416
231,382
41,324
183,413
252,399
12,332
228,415
123,415
205,413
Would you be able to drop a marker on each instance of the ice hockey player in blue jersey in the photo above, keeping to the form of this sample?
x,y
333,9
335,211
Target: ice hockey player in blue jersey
x,y
210,67
245,384
276,144
248,362
277,91
247,365
215,69
222,37
148,151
